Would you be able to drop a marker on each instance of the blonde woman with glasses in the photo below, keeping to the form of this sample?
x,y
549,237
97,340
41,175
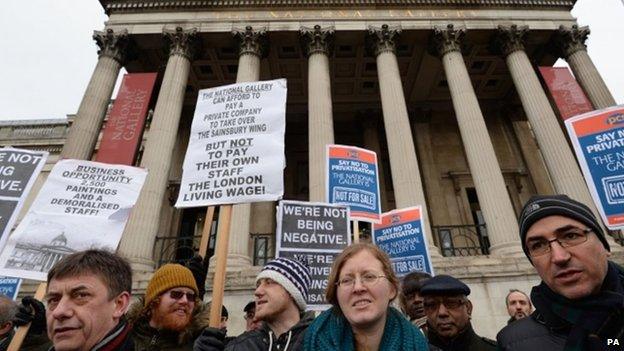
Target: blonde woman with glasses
x,y
361,287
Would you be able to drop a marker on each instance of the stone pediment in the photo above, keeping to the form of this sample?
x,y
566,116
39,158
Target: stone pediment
x,y
111,6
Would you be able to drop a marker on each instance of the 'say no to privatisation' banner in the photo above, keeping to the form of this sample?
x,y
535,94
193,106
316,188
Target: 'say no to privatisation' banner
x,y
18,171
314,233
353,180
401,235
598,139
82,205
236,149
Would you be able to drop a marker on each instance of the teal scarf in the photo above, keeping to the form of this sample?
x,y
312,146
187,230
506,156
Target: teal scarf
x,y
331,331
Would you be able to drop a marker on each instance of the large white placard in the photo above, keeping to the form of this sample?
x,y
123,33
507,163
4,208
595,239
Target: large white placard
x,y
82,205
236,148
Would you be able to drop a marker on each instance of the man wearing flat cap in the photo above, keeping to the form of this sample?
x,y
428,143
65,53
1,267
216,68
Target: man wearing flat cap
x,y
579,304
448,316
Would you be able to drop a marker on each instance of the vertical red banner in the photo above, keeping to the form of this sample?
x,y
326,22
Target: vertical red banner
x,y
122,135
565,91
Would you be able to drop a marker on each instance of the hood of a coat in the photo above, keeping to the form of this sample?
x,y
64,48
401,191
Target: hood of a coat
x,y
140,323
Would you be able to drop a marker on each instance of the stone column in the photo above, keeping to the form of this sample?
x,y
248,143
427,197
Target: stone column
x,y
439,211
138,239
252,47
317,44
564,171
571,42
408,188
565,174
487,177
371,142
84,132
531,154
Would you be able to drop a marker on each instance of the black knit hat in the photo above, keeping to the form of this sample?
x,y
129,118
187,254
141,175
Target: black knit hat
x,y
541,206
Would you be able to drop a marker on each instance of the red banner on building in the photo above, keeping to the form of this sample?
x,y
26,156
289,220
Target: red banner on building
x,y
124,128
565,91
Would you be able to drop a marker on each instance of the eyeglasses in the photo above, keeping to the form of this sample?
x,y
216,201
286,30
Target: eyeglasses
x,y
566,238
367,279
177,295
450,303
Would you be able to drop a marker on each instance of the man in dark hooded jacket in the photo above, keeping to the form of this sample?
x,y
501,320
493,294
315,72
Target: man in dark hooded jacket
x,y
580,303
281,294
170,316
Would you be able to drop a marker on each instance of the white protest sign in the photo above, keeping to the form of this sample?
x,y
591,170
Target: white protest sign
x,y
236,149
82,205
18,171
314,233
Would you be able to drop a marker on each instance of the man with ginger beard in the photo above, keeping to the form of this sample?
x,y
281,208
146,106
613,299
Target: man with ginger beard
x,y
168,318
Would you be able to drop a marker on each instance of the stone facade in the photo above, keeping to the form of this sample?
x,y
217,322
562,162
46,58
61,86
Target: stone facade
x,y
446,94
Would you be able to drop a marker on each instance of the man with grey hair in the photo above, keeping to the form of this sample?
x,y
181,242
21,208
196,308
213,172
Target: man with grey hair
x,y
8,310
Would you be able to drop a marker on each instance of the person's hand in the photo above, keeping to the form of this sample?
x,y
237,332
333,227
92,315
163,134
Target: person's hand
x,y
211,339
31,311
199,267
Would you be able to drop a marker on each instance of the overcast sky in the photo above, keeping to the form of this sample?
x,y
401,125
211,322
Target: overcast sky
x,y
48,54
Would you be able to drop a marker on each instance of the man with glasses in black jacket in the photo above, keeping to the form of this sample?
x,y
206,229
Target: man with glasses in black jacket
x,y
580,303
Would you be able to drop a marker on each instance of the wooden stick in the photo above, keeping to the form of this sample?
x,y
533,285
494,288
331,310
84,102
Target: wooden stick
x,y
205,238
20,333
218,282
356,231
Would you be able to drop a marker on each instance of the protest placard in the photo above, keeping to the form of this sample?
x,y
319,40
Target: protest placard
x,y
598,139
82,205
236,149
18,171
401,235
314,233
353,180
10,286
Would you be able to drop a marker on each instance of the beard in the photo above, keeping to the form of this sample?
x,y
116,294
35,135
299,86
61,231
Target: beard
x,y
170,320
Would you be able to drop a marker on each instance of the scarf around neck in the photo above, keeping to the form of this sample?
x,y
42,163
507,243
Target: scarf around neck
x,y
590,320
331,331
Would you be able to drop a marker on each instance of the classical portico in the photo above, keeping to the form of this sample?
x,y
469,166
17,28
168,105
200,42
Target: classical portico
x,y
446,94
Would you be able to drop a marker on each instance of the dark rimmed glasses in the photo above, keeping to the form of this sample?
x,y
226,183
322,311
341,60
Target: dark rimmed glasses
x,y
567,238
178,294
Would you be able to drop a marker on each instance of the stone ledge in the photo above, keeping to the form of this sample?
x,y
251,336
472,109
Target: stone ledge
x,y
111,6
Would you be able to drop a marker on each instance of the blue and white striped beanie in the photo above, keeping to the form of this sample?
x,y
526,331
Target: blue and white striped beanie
x,y
292,275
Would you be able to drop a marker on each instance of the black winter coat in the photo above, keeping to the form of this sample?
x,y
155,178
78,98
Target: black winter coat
x,y
263,339
467,340
531,334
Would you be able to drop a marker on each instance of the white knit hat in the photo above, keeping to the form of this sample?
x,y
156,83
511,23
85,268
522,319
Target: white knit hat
x,y
292,275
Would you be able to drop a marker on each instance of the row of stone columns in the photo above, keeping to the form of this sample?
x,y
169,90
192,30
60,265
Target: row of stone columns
x,y
142,228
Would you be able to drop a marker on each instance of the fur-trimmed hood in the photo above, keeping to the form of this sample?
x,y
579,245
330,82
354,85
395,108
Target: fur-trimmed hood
x,y
143,334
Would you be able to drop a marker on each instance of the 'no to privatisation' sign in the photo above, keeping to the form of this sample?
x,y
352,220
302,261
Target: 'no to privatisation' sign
x,y
236,148
18,171
10,286
314,233
82,205
598,139
401,235
353,180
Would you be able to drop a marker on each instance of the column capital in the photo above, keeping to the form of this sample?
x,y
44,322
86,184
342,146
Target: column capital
x,y
252,42
510,38
112,44
383,39
317,40
571,40
447,40
182,42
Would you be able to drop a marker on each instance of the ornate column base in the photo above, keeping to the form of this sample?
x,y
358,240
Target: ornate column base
x,y
509,249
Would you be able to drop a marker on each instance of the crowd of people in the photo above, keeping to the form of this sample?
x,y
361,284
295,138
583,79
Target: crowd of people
x,y
579,304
